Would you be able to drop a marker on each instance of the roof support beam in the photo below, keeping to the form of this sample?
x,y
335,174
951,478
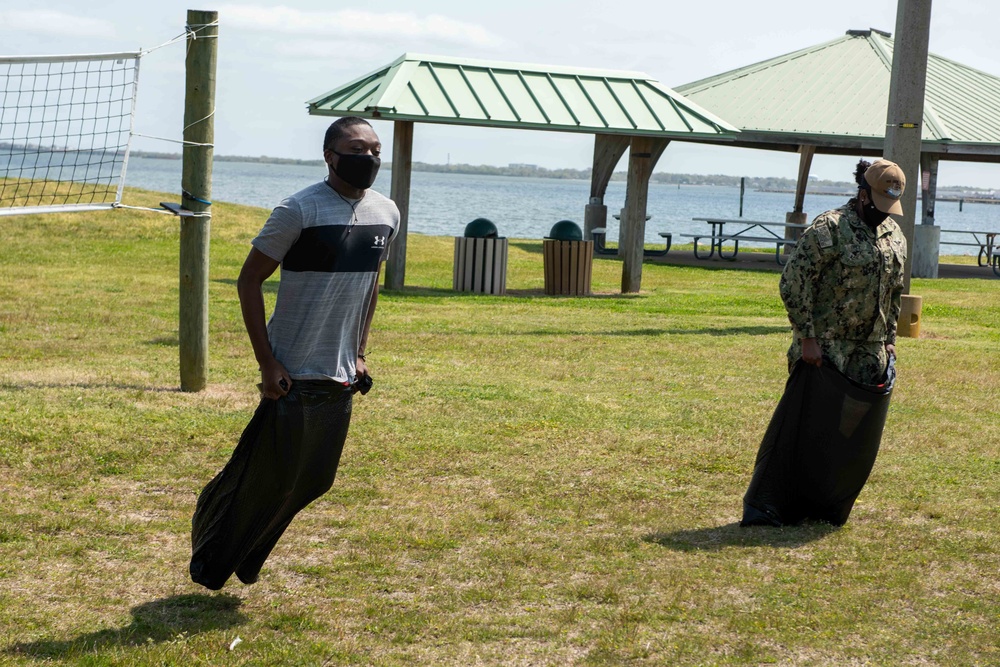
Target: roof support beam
x,y
608,150
643,154
926,236
402,167
805,164
797,214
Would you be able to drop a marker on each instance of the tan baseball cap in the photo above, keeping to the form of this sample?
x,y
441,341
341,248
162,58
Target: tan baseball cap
x,y
887,182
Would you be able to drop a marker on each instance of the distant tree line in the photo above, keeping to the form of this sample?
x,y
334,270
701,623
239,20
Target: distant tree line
x,y
772,183
533,171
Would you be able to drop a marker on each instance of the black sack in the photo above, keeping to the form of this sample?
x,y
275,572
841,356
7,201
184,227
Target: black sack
x,y
819,448
286,458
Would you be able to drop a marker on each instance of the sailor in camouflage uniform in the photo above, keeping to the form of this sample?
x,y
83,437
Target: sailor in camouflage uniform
x,y
843,282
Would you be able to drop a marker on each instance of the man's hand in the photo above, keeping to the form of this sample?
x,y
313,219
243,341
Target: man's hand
x,y
811,352
275,380
890,349
361,368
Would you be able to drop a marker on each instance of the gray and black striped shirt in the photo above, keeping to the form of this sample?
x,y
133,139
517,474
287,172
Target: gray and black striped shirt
x,y
330,256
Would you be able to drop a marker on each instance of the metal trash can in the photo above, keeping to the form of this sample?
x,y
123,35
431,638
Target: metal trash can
x,y
480,259
568,259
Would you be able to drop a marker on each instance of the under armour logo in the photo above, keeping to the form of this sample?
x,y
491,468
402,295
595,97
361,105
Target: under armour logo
x,y
379,242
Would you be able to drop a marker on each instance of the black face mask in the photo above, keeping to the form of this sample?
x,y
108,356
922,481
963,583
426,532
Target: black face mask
x,y
872,216
358,171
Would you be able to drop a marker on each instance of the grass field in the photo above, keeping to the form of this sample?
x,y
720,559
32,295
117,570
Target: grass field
x,y
533,481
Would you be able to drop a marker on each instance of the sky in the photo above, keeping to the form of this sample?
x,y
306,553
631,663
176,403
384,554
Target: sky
x,y
272,58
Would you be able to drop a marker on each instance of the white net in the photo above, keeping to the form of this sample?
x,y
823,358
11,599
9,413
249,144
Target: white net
x,y
65,126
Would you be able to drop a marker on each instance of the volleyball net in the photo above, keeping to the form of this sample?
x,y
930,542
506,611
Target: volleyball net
x,y
65,127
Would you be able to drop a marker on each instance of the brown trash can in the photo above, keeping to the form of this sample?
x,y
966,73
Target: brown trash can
x,y
480,265
568,266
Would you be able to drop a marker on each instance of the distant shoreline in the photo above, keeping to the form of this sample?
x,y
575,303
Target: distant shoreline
x,y
758,183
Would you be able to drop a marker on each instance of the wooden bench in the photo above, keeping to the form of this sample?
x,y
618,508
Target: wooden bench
x,y
599,234
718,239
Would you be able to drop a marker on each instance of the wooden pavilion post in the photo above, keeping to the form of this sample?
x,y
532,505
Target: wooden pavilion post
x,y
927,236
928,185
402,167
797,214
643,154
806,154
608,150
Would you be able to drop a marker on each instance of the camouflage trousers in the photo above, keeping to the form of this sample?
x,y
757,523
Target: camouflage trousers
x,y
861,360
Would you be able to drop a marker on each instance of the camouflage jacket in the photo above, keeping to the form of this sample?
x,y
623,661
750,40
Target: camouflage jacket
x,y
843,281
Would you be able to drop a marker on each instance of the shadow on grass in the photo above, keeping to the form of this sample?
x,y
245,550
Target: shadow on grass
x,y
720,331
536,248
732,535
420,292
153,622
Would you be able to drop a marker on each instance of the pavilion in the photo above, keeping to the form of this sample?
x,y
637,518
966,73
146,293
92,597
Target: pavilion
x,y
833,98
623,110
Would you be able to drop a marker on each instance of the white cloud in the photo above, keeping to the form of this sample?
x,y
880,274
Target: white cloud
x,y
48,22
331,53
356,25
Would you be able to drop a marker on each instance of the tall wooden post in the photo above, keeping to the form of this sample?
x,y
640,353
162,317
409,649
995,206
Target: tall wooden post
x,y
633,222
644,152
904,120
402,166
196,193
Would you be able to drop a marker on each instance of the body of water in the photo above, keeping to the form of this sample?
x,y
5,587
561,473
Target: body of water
x,y
442,204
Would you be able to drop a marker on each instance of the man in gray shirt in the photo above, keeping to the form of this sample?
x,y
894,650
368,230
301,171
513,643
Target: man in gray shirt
x,y
330,240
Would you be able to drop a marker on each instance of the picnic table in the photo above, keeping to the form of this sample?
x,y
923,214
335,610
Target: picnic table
x,y
985,241
748,231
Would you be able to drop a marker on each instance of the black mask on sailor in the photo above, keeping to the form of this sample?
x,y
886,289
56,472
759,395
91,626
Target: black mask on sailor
x,y
869,212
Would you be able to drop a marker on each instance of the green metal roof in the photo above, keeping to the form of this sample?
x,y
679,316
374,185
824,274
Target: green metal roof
x,y
434,89
841,89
